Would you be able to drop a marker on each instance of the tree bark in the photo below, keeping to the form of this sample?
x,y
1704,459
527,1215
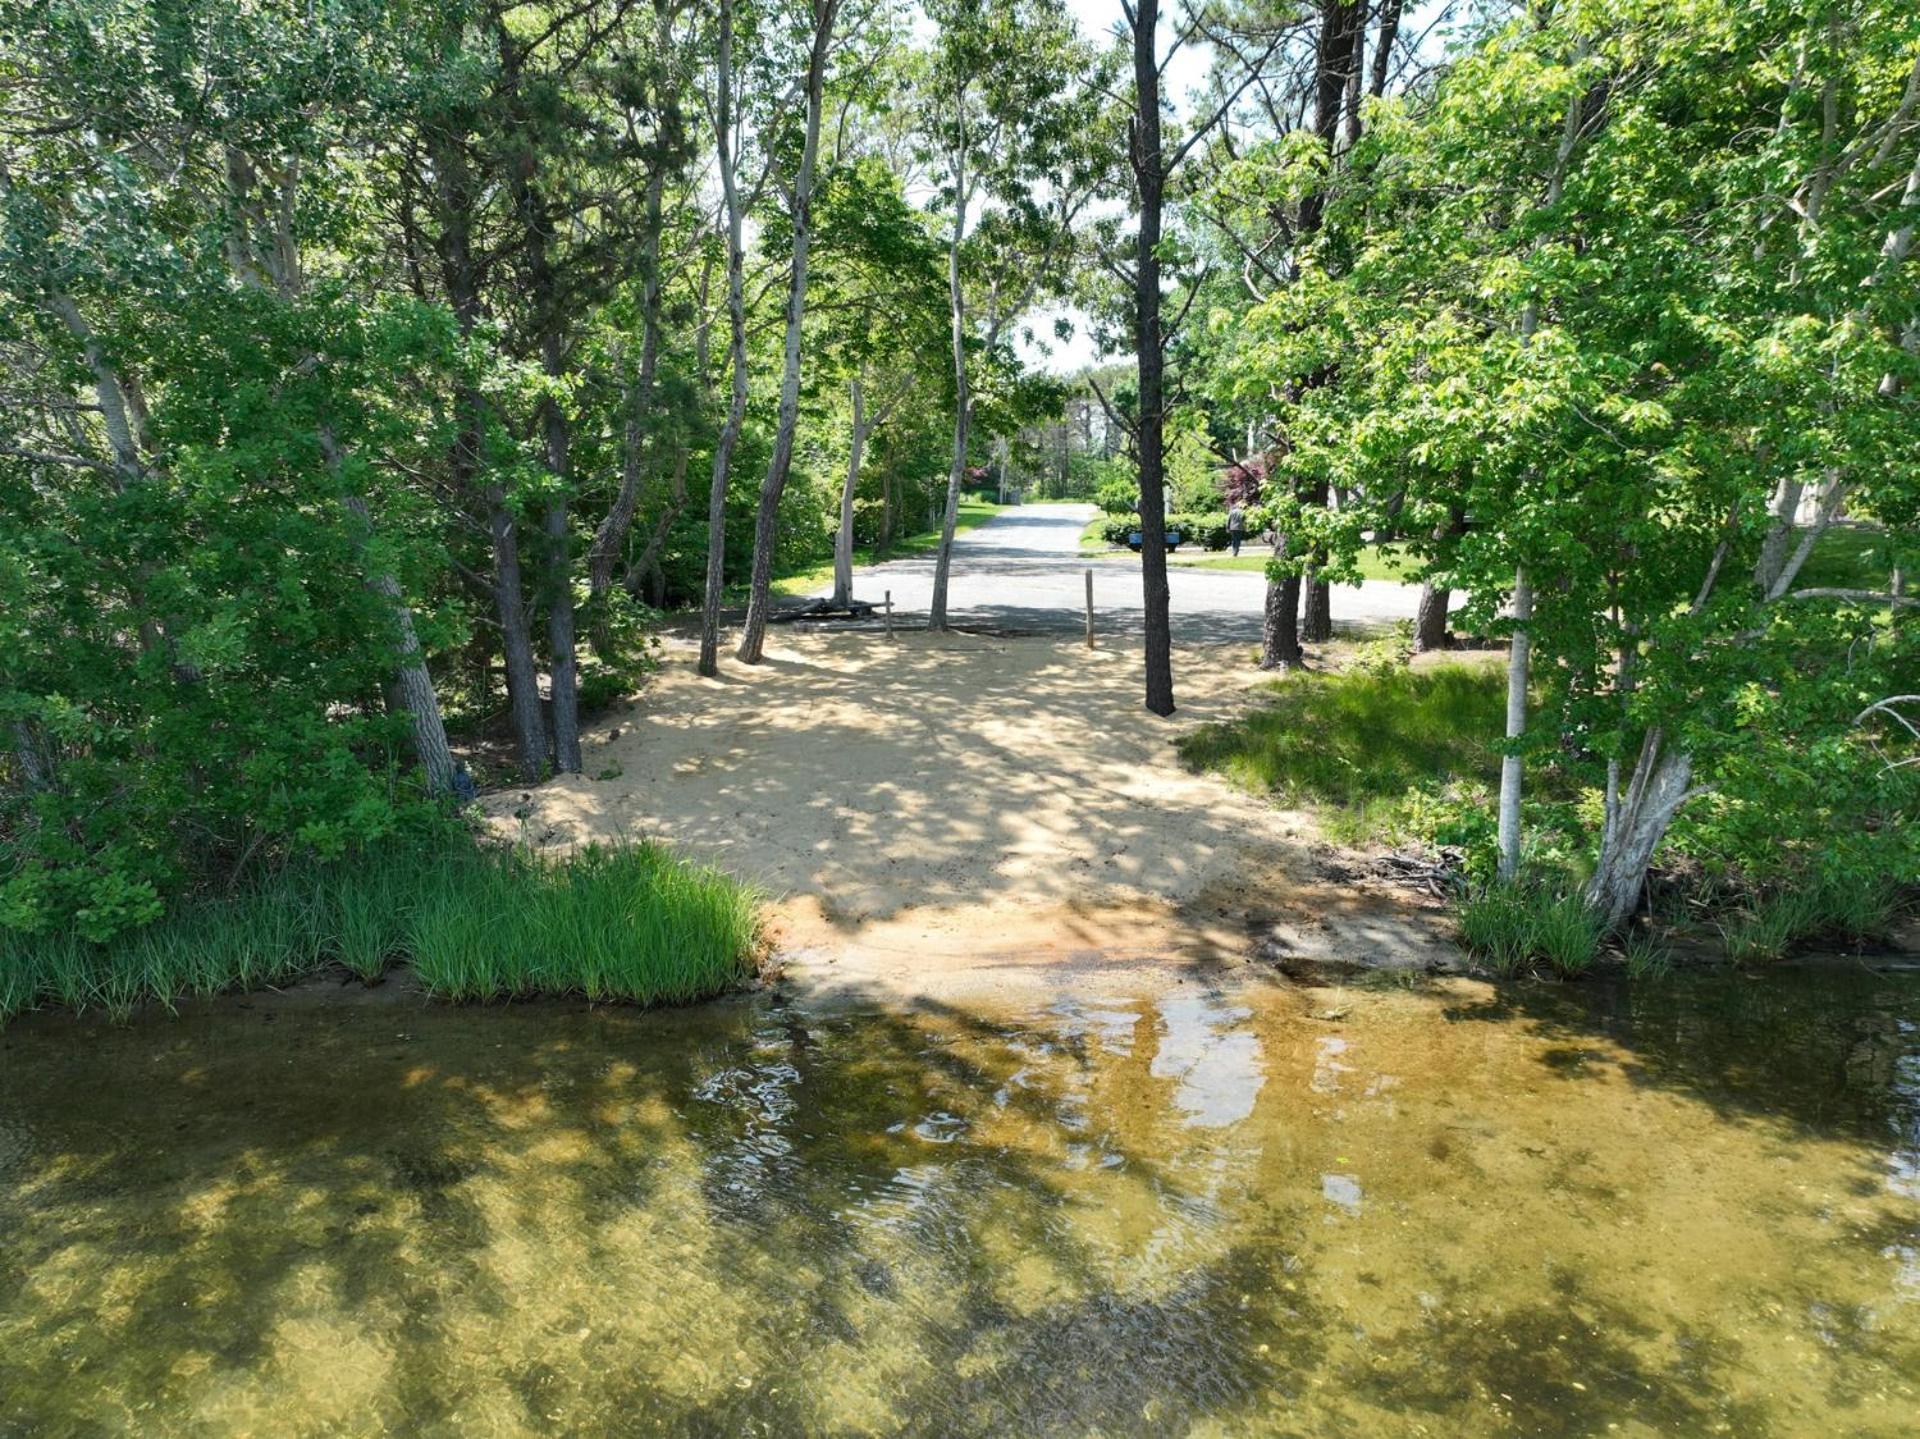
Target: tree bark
x,y
843,538
1634,825
1383,46
1512,765
736,349
1430,623
611,534
962,390
1316,618
562,664
1335,58
412,685
1519,670
767,524
1150,173
516,639
1280,623
1430,630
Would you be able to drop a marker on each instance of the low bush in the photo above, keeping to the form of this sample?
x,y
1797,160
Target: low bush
x,y
1120,497
628,922
1202,531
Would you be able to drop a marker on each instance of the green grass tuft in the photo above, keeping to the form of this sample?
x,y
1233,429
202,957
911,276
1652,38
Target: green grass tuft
x,y
624,922
1647,958
1846,909
1520,927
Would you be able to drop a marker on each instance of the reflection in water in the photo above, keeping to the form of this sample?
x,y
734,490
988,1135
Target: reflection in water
x,y
1688,1209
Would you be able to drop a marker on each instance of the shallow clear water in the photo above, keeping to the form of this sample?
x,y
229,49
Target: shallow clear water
x,y
1691,1208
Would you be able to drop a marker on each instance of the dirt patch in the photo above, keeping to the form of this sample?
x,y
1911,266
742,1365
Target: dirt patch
x,y
931,806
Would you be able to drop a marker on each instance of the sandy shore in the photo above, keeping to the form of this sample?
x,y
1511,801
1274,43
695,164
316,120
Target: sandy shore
x,y
934,812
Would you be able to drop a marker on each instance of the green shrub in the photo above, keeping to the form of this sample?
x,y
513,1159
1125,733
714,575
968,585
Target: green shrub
x,y
1201,531
1119,497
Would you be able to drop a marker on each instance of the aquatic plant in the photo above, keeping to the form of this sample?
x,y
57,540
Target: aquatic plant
x,y
1515,927
626,921
1646,957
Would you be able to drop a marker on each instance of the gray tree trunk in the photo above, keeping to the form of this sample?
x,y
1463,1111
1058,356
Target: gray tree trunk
x,y
1316,620
1519,667
962,391
843,538
1512,766
412,685
736,349
1430,621
1634,826
766,528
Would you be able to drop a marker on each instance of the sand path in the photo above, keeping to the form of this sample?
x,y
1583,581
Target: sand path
x,y
933,811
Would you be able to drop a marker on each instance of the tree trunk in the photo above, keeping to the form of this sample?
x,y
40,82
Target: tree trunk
x,y
1316,620
1430,625
1512,765
1383,47
646,569
1519,670
1150,173
1634,826
35,769
843,538
736,350
1280,624
412,685
611,534
767,524
1335,58
562,665
962,391
562,662
516,640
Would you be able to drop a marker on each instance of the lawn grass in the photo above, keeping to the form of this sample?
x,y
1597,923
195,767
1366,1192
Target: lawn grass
x,y
1852,558
973,513
627,922
1355,744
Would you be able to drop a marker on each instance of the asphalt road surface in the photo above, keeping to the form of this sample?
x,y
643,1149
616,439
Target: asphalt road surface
x,y
1023,571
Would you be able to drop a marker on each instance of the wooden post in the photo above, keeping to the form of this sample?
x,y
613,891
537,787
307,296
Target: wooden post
x,y
1089,607
889,614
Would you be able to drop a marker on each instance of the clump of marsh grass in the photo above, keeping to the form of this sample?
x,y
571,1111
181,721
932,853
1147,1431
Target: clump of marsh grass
x,y
1846,909
621,922
1516,928
1646,957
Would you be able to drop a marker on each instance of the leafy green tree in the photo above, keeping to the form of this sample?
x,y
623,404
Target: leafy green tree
x,y
1634,298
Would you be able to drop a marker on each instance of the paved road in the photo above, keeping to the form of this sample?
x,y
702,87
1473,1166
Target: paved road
x,y
1023,570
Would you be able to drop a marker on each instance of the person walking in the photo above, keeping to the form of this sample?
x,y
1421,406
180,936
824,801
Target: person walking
x,y
1236,527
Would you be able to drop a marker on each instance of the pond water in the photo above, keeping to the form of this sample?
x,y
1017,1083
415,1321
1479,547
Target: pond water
x,y
1686,1208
